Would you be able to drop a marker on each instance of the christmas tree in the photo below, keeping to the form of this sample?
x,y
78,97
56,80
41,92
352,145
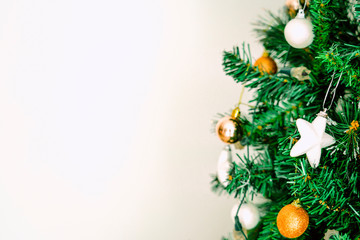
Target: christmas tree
x,y
303,126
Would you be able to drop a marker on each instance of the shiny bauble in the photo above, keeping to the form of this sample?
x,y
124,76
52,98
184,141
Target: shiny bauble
x,y
299,31
292,221
249,215
229,130
224,166
266,64
294,6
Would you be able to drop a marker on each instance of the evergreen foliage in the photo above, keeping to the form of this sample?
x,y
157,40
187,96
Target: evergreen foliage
x,y
330,193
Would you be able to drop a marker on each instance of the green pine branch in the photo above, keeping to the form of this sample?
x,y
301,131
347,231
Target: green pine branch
x,y
345,61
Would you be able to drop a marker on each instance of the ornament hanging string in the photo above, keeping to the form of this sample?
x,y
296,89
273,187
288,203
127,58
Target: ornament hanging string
x,y
241,95
333,92
240,99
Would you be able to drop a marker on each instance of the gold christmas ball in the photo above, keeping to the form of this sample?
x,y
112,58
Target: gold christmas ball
x,y
229,130
266,64
293,6
292,221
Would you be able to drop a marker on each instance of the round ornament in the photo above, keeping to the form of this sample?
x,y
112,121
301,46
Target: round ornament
x,y
292,220
299,31
266,64
224,166
249,215
293,5
229,129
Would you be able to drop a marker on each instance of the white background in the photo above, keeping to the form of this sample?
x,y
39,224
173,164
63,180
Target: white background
x,y
105,111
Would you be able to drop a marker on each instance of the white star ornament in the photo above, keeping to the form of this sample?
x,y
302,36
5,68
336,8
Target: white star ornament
x,y
313,138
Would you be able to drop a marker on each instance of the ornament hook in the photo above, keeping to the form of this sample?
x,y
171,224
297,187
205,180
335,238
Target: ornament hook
x,y
333,91
300,14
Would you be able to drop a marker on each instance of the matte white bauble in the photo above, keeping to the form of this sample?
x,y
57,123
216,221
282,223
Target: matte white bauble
x,y
299,31
224,166
249,215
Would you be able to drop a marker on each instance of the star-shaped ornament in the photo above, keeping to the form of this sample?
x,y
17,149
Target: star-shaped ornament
x,y
313,138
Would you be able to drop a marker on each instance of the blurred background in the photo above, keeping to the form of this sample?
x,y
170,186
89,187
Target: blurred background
x,y
105,116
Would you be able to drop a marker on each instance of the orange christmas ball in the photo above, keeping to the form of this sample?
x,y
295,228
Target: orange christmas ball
x,y
228,129
292,221
266,64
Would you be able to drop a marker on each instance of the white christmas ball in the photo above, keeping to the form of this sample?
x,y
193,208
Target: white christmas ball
x,y
299,32
224,165
249,215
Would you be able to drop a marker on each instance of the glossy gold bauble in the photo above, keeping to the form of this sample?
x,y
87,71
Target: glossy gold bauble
x,y
293,6
292,221
229,130
266,64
